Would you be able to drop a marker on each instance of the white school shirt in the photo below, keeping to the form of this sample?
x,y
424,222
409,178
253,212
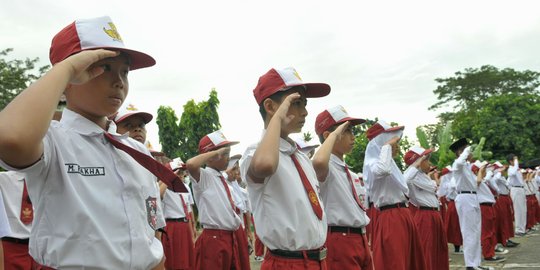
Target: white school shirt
x,y
502,184
242,196
283,215
451,193
215,210
385,188
465,179
515,177
11,187
95,207
172,203
484,193
530,188
4,224
422,190
340,205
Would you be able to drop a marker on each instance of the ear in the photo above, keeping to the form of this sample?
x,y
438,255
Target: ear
x,y
270,107
326,134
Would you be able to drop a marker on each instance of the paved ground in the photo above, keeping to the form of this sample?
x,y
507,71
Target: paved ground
x,y
525,256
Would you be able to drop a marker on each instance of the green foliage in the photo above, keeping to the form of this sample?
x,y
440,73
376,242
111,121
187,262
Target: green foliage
x,y
445,157
181,139
503,106
307,136
422,138
477,152
15,76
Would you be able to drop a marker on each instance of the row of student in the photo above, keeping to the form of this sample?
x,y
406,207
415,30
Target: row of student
x,y
92,194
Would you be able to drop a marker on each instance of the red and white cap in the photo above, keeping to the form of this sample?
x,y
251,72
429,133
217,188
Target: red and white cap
x,y
415,153
176,164
446,170
214,141
283,79
130,110
497,165
233,160
477,165
333,116
381,127
90,34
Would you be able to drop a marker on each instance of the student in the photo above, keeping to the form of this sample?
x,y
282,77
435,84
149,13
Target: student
x,y
504,208
178,237
487,211
4,230
133,121
467,204
282,184
217,247
20,215
422,191
517,193
347,244
451,222
89,196
396,244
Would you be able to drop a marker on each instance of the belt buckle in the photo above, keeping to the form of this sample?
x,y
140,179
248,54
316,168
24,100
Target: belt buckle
x,y
363,230
322,254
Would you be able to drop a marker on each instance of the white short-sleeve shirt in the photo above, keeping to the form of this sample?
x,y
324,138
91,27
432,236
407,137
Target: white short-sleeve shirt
x,y
4,224
339,202
422,190
283,215
215,210
173,206
11,187
95,207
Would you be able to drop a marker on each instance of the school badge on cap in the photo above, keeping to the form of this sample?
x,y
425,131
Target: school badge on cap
x,y
90,34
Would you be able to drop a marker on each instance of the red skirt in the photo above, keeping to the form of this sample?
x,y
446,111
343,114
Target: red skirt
x,y
451,225
432,238
178,246
372,213
489,239
504,219
531,211
444,206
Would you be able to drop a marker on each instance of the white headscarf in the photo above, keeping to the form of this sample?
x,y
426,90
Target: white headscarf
x,y
373,153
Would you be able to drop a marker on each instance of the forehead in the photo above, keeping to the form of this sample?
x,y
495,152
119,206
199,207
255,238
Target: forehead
x,y
133,119
122,58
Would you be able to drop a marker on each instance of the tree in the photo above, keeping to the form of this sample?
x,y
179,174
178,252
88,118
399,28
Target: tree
x,y
16,75
500,105
181,139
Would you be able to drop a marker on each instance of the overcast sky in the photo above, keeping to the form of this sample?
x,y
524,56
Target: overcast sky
x,y
380,57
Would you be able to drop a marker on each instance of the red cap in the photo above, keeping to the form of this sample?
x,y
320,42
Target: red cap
x,y
444,171
213,141
379,128
333,116
90,34
415,153
283,79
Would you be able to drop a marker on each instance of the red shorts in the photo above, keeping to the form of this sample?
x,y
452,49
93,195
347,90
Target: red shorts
x,y
348,251
16,255
272,262
219,249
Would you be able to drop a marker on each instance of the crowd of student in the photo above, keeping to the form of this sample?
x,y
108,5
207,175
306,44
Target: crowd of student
x,y
83,192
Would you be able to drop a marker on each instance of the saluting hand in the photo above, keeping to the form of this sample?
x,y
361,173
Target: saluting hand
x,y
284,108
340,130
80,64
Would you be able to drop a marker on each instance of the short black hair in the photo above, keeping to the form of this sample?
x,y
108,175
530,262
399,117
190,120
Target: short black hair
x,y
510,157
330,129
277,97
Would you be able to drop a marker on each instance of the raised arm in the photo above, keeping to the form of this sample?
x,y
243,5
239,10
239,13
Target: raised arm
x,y
195,163
383,166
25,121
321,159
266,157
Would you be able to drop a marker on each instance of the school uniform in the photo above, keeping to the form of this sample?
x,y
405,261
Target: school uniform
x,y
451,223
532,204
422,191
396,243
346,241
535,188
441,194
285,218
517,193
15,244
487,210
94,205
468,209
4,224
178,237
217,246
504,209
240,203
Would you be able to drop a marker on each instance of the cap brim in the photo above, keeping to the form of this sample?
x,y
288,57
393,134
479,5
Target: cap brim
x,y
394,129
137,59
315,90
145,116
427,152
352,121
222,144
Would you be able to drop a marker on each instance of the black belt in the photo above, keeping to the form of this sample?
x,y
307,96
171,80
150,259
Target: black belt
x,y
349,230
518,186
15,240
182,219
428,208
316,255
504,195
390,206
487,203
466,192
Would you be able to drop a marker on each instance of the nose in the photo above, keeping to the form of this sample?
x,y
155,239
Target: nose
x,y
119,81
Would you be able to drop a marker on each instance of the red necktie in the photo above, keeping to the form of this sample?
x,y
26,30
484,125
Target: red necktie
x,y
312,196
236,209
159,170
184,205
356,198
27,212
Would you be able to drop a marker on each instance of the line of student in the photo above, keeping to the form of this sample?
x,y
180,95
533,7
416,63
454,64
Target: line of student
x,y
95,205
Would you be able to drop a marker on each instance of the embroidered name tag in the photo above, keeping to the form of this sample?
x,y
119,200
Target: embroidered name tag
x,y
85,171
